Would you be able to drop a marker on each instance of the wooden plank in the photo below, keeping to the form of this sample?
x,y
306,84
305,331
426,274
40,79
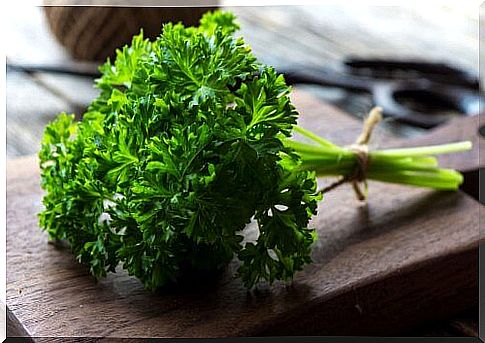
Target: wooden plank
x,y
29,108
78,92
34,100
408,256
324,35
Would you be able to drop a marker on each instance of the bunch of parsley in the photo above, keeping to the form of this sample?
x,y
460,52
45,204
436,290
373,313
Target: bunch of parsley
x,y
186,144
175,157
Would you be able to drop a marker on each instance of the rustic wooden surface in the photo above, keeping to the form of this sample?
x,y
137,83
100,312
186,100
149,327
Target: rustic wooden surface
x,y
327,34
408,256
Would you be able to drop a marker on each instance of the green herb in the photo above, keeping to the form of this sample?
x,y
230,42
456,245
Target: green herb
x,y
186,144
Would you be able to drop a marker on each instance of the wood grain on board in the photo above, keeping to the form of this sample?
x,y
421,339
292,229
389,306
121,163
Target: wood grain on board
x,y
408,256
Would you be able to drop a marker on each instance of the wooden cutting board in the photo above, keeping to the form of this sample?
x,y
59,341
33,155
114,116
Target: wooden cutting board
x,y
408,256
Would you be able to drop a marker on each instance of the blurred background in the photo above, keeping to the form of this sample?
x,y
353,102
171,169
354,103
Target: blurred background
x,y
52,53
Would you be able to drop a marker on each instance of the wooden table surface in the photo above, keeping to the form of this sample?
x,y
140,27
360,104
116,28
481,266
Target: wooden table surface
x,y
408,256
332,34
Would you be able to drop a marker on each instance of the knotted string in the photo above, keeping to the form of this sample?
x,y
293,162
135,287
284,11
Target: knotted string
x,y
361,151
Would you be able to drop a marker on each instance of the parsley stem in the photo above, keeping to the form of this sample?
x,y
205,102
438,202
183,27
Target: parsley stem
x,y
411,166
314,137
428,150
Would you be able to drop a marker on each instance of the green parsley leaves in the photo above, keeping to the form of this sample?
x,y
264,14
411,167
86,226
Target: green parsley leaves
x,y
181,150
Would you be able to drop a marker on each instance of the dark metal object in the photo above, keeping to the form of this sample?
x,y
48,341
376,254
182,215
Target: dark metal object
x,y
418,93
439,72
77,69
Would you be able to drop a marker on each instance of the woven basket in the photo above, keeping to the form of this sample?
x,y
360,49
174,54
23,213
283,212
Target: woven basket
x,y
93,33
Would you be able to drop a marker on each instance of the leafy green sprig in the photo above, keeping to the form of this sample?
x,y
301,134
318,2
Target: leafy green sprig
x,y
188,142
